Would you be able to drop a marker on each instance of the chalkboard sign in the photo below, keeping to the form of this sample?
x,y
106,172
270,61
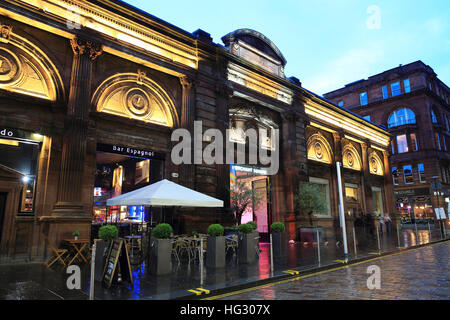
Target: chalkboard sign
x,y
117,257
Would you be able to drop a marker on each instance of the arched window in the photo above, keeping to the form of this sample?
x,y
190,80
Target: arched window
x,y
400,117
433,116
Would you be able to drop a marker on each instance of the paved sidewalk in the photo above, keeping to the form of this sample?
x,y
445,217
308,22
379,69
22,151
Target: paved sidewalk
x,y
34,281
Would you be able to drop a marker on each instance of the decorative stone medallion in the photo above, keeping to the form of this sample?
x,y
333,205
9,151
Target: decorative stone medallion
x,y
138,103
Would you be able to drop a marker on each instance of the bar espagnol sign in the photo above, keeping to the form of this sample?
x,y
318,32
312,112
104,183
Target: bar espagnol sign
x,y
130,151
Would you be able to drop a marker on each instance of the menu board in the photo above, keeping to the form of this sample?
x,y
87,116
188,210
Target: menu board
x,y
117,256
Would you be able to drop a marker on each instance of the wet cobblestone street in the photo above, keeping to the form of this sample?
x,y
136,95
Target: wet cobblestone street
x,y
422,274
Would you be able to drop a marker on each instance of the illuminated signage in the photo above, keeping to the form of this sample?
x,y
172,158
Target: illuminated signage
x,y
250,170
130,151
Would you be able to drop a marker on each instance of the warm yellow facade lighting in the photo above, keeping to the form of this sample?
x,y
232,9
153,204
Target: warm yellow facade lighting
x,y
84,14
335,119
261,84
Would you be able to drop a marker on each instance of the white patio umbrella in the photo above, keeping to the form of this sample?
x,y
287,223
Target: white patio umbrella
x,y
165,193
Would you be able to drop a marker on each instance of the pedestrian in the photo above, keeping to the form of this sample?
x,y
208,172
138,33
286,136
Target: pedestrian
x,y
380,219
387,222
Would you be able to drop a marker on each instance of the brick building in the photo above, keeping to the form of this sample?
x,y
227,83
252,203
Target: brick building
x,y
91,94
413,104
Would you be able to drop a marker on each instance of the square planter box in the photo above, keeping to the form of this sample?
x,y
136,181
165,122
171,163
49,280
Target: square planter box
x,y
309,234
247,248
279,245
215,252
160,256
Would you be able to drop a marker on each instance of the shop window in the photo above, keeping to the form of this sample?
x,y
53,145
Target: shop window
x,y
395,89
413,141
21,158
408,174
324,187
395,175
119,170
363,98
351,192
402,144
421,169
377,198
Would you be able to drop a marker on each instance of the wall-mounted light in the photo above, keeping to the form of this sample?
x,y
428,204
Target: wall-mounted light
x,y
25,179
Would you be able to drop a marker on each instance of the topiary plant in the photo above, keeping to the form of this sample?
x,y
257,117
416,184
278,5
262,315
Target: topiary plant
x,y
108,233
76,233
245,228
253,224
215,230
277,227
162,231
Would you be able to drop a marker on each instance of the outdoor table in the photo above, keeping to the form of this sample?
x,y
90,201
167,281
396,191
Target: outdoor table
x,y
76,248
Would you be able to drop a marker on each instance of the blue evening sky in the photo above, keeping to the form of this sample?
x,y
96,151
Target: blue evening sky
x,y
327,43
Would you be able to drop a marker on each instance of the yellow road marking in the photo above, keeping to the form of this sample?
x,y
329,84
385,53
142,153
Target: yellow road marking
x,y
195,291
376,253
291,272
341,261
314,274
206,291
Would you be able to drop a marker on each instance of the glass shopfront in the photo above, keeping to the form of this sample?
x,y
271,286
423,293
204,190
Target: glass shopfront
x,y
19,152
255,179
121,169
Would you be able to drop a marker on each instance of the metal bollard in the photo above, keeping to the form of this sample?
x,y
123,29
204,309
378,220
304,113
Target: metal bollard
x,y
318,245
354,242
429,229
92,284
271,255
378,239
201,261
398,236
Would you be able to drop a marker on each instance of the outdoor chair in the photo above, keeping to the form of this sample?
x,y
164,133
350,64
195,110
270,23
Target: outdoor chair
x,y
175,248
58,254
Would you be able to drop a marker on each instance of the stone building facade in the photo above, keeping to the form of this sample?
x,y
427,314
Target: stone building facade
x,y
91,92
413,104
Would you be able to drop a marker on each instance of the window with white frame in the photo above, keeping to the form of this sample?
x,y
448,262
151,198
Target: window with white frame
x,y
421,169
402,144
384,91
324,187
408,174
395,89
406,85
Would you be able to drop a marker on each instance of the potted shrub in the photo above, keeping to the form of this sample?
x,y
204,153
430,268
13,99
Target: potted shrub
x,y
75,234
279,240
215,246
247,244
161,249
106,234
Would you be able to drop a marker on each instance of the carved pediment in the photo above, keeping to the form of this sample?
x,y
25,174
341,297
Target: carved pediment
x,y
257,49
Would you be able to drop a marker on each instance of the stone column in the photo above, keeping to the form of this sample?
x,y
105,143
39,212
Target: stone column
x,y
365,179
388,188
69,197
289,169
187,171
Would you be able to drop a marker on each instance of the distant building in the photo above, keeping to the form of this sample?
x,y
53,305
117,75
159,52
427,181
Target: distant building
x,y
413,104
